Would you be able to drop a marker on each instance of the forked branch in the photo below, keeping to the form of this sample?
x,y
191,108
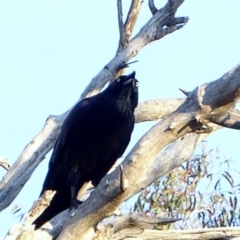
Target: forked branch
x,y
140,173
107,196
36,150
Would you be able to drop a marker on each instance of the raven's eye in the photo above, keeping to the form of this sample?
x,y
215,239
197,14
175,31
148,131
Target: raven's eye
x,y
137,84
118,79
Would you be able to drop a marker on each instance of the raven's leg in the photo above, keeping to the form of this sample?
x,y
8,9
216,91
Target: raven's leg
x,y
72,180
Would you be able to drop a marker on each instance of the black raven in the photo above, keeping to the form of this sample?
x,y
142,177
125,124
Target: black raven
x,y
94,135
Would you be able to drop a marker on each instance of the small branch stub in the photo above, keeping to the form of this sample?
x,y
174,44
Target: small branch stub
x,y
126,65
4,163
124,183
185,92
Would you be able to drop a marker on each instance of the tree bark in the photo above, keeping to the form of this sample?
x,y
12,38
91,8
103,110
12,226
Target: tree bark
x,y
198,109
13,182
184,122
208,102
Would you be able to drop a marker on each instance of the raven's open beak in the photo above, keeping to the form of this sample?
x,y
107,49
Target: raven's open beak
x,y
129,78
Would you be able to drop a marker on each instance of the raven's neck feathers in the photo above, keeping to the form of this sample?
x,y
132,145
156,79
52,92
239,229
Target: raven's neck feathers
x,y
120,105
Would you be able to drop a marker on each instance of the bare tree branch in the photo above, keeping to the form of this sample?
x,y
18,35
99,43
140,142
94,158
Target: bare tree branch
x,y
221,233
174,155
122,35
132,17
171,7
198,108
107,196
137,227
152,7
126,29
36,150
230,120
146,35
155,109
165,31
208,105
178,20
133,220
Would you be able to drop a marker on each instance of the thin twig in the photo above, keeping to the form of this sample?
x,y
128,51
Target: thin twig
x,y
122,37
185,92
126,65
132,17
152,7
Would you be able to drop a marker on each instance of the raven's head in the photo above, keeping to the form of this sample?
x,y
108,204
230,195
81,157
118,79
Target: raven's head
x,y
125,90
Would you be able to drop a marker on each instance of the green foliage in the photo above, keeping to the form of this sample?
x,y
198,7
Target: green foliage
x,y
204,192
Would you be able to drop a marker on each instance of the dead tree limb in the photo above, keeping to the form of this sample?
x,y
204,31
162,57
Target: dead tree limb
x,y
132,17
130,221
122,35
202,106
35,151
223,233
205,104
152,7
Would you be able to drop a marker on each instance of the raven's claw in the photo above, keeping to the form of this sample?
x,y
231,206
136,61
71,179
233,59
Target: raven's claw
x,y
74,204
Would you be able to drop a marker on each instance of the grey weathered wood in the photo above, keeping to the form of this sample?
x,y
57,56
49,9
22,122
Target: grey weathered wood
x,y
132,220
13,182
209,104
152,7
196,109
4,163
230,233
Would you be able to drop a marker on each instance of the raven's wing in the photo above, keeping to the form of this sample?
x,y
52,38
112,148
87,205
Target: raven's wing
x,y
77,118
51,167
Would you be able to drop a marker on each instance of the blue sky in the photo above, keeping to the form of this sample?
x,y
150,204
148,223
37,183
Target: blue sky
x,y
50,50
